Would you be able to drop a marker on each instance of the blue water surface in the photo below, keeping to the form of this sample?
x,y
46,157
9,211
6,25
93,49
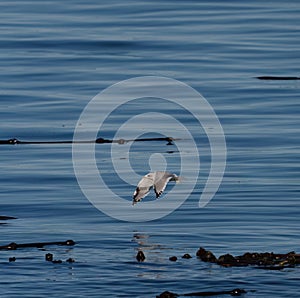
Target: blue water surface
x,y
55,56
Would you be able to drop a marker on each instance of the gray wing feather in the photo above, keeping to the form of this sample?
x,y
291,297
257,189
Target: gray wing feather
x,y
158,180
140,193
161,181
143,188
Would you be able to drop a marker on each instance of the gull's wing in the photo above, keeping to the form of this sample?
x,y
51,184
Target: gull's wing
x,y
140,193
160,182
143,188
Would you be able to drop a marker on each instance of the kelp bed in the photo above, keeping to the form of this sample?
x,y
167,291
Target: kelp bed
x,y
257,260
265,260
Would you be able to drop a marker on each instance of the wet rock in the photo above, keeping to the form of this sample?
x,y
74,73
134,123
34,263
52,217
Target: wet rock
x,y
186,256
70,260
206,255
140,256
173,259
57,261
12,259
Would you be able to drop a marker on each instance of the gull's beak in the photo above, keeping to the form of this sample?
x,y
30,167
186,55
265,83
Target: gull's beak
x,y
179,179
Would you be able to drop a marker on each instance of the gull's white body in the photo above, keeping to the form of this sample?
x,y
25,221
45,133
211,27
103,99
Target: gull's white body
x,y
158,180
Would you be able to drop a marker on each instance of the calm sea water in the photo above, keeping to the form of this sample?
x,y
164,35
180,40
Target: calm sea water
x,y
56,55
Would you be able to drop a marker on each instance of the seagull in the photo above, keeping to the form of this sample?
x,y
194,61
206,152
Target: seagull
x,y
158,180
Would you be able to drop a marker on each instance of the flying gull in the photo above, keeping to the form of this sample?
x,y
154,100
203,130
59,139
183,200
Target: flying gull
x,y
158,180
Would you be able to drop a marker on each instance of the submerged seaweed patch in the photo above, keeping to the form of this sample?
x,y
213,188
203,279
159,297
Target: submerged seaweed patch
x,y
266,260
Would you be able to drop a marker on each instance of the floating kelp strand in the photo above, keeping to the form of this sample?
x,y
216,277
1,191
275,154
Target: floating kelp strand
x,y
15,141
259,260
14,246
7,217
278,78
234,292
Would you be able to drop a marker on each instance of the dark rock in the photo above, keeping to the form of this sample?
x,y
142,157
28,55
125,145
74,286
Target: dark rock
x,y
12,259
173,259
70,260
57,261
140,256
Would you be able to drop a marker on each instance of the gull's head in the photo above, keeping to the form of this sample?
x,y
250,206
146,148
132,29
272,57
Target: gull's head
x,y
176,178
150,175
